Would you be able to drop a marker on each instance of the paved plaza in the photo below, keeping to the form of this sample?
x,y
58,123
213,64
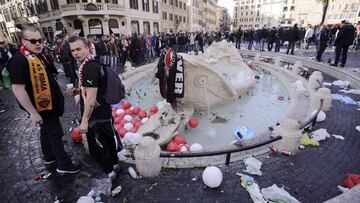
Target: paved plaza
x,y
312,175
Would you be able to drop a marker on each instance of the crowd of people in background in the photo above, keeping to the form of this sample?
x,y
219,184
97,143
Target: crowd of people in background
x,y
138,49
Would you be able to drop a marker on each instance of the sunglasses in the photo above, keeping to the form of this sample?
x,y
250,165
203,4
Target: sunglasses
x,y
34,41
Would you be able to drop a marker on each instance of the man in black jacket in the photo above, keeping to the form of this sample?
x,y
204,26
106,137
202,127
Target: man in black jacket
x,y
66,59
322,39
293,37
238,36
344,39
38,93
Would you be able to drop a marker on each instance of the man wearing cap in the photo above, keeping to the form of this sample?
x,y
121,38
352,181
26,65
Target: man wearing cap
x,y
38,93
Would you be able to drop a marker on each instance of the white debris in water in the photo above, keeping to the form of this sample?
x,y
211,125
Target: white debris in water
x,y
212,176
320,134
351,91
357,128
298,86
342,84
116,191
253,166
320,118
275,193
338,137
301,146
327,83
85,199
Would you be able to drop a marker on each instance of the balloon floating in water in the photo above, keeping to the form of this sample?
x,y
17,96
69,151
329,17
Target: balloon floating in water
x,y
193,122
75,135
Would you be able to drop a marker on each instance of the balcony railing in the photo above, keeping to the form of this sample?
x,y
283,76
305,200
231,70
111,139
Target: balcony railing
x,y
93,7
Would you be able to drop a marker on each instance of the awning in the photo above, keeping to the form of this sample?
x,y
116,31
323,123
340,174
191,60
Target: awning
x,y
76,31
115,30
96,31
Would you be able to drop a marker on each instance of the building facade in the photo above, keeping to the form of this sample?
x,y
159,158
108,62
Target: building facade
x,y
174,15
310,12
16,13
203,15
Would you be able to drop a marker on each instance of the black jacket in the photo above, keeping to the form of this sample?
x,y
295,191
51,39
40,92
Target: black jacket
x,y
293,34
346,35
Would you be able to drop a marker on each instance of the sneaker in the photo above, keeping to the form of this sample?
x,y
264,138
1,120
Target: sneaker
x,y
71,169
334,64
49,162
342,65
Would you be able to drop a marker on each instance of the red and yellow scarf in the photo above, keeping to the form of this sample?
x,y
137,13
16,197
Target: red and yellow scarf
x,y
39,80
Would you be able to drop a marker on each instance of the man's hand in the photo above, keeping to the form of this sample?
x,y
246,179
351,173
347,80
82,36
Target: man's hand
x,y
73,91
83,128
36,118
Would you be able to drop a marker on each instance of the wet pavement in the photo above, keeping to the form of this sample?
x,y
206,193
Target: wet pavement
x,y
312,175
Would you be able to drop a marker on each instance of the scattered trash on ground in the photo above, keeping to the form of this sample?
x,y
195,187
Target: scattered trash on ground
x,y
85,199
343,189
341,84
133,173
351,91
343,99
276,194
252,188
357,128
327,83
338,137
152,186
212,176
352,180
253,166
306,141
100,186
320,134
2,111
301,146
116,191
219,119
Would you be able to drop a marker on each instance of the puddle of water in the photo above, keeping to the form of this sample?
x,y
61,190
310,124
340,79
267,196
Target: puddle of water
x,y
256,109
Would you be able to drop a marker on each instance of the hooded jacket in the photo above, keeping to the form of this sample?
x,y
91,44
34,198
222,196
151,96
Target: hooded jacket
x,y
346,35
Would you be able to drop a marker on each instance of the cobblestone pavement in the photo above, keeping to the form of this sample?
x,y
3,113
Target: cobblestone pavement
x,y
311,176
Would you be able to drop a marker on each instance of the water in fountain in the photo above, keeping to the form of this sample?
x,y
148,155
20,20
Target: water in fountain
x,y
258,110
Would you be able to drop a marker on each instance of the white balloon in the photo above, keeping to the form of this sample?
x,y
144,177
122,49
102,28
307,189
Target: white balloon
x,y
132,108
85,199
128,118
132,138
196,147
321,116
212,176
120,111
144,120
160,105
128,126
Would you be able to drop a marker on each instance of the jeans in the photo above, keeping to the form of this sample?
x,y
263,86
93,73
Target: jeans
x,y
291,46
277,45
262,44
251,42
321,49
238,43
341,49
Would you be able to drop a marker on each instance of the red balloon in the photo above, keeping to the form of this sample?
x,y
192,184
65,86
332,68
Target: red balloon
x,y
117,120
114,114
171,147
128,112
153,109
142,114
134,121
179,139
122,132
117,127
266,60
136,110
122,122
193,122
126,105
138,124
75,135
133,129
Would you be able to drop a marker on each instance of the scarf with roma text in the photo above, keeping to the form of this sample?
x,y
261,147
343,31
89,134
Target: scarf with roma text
x,y
39,80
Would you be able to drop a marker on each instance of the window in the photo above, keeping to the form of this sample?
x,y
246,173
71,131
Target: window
x,y
155,7
184,19
184,6
285,8
180,5
54,4
145,5
171,2
292,8
134,4
164,14
171,16
176,3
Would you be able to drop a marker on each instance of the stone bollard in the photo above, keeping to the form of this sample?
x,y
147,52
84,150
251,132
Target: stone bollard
x,y
257,58
277,61
147,157
291,135
297,67
325,94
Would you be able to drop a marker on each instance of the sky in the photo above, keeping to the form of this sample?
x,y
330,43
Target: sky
x,y
229,4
